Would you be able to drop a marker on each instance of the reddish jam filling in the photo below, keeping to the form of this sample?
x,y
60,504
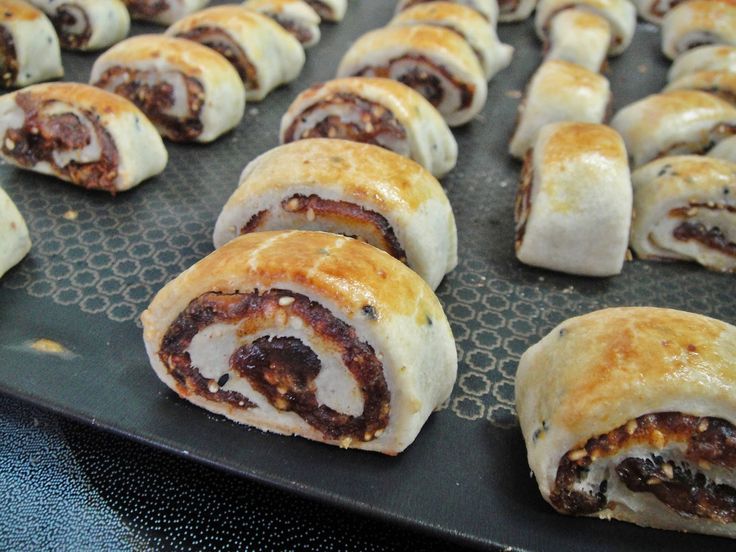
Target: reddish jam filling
x,y
221,42
283,369
67,16
523,202
146,9
336,210
8,58
428,84
155,99
681,486
41,135
375,120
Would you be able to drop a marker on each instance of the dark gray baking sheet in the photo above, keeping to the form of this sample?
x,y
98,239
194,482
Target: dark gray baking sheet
x,y
87,279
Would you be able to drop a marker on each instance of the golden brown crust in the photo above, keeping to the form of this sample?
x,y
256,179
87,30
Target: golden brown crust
x,y
438,11
83,96
585,138
348,272
17,10
188,55
226,16
396,182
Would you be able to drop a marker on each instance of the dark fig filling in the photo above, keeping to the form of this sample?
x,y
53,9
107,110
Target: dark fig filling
x,y
372,226
221,42
146,9
323,10
660,7
156,97
8,58
68,20
682,484
300,32
282,369
523,202
44,134
377,125
425,76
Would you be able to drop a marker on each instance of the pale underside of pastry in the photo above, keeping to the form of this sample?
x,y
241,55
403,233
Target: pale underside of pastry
x,y
305,333
579,36
382,112
629,413
15,242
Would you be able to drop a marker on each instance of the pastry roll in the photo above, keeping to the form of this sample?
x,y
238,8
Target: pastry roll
x,y
382,112
296,17
672,123
573,206
29,47
15,242
487,8
80,134
190,92
620,14
352,189
718,83
264,54
628,413
469,24
434,61
163,12
725,149
703,58
87,24
579,36
559,91
686,210
329,10
655,10
305,333
698,22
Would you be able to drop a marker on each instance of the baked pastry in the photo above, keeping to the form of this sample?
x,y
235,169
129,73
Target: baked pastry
x,y
434,61
80,134
86,24
686,210
487,8
163,12
329,10
620,14
264,54
347,188
29,47
296,17
515,10
703,58
559,91
655,10
719,83
190,92
629,413
579,36
696,23
305,333
492,54
382,112
573,206
725,149
673,123
15,242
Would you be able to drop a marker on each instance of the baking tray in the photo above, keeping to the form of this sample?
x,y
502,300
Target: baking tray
x,y
97,261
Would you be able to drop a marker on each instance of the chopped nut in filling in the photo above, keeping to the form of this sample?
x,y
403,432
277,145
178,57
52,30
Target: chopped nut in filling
x,y
281,368
341,217
698,230
8,58
72,25
350,117
72,141
688,466
173,101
